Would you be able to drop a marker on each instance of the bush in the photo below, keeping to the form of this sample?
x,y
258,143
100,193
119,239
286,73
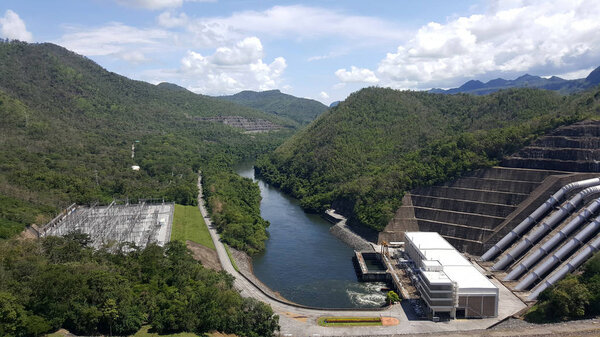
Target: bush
x,y
392,297
574,297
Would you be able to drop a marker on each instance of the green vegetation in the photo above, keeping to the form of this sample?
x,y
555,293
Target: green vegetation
x,y
301,110
349,321
188,224
145,332
361,156
234,204
231,258
391,297
67,130
61,282
576,296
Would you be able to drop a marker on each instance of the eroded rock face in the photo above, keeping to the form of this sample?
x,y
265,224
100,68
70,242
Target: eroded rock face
x,y
251,125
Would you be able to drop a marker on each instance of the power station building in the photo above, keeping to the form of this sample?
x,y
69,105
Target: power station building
x,y
448,282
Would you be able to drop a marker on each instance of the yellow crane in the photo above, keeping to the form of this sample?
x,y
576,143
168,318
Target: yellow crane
x,y
385,249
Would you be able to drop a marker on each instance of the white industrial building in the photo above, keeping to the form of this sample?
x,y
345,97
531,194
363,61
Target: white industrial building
x,y
447,281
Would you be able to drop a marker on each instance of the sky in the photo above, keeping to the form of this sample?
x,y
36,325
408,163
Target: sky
x,y
322,50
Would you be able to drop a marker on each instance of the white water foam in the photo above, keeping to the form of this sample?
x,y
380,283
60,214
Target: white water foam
x,y
367,294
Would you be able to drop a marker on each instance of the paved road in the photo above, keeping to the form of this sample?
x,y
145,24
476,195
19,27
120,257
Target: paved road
x,y
297,321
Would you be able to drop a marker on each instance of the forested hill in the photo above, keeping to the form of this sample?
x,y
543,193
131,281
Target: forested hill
x,y
302,110
67,127
361,156
553,83
171,86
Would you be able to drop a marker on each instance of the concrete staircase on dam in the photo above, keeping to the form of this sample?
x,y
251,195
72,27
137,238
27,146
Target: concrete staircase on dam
x,y
475,211
573,148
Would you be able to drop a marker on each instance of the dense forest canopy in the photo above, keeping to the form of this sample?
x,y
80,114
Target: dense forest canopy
x,y
60,282
68,127
362,155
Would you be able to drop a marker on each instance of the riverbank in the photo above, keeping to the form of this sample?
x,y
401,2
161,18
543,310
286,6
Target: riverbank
x,y
244,264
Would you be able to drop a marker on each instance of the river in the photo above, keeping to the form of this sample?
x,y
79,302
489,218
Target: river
x,y
302,260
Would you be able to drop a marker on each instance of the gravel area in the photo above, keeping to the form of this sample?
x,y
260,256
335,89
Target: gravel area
x,y
512,323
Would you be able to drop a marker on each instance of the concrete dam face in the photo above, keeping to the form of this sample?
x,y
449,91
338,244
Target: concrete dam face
x,y
476,211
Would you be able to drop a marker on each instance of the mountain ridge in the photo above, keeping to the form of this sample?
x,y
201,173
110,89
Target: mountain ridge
x,y
553,83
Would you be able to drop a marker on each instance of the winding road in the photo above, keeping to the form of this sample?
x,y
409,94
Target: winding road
x,y
301,321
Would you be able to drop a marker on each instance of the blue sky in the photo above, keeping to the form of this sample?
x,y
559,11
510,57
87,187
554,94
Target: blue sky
x,y
318,49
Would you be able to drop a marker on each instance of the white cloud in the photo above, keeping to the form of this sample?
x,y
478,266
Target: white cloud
x,y
572,75
156,4
324,95
295,21
170,20
510,37
329,55
231,69
13,27
244,52
356,75
118,40
134,57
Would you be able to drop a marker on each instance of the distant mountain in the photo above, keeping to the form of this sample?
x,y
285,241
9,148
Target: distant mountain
x,y
302,110
526,81
334,104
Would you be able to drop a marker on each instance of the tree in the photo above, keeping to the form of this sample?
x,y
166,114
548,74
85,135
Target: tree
x,y
567,299
110,313
11,315
392,297
16,322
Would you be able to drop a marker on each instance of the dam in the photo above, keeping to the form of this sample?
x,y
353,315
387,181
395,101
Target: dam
x,y
532,219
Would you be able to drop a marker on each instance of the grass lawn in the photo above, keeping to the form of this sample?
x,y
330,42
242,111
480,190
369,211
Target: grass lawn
x,y
358,321
188,224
